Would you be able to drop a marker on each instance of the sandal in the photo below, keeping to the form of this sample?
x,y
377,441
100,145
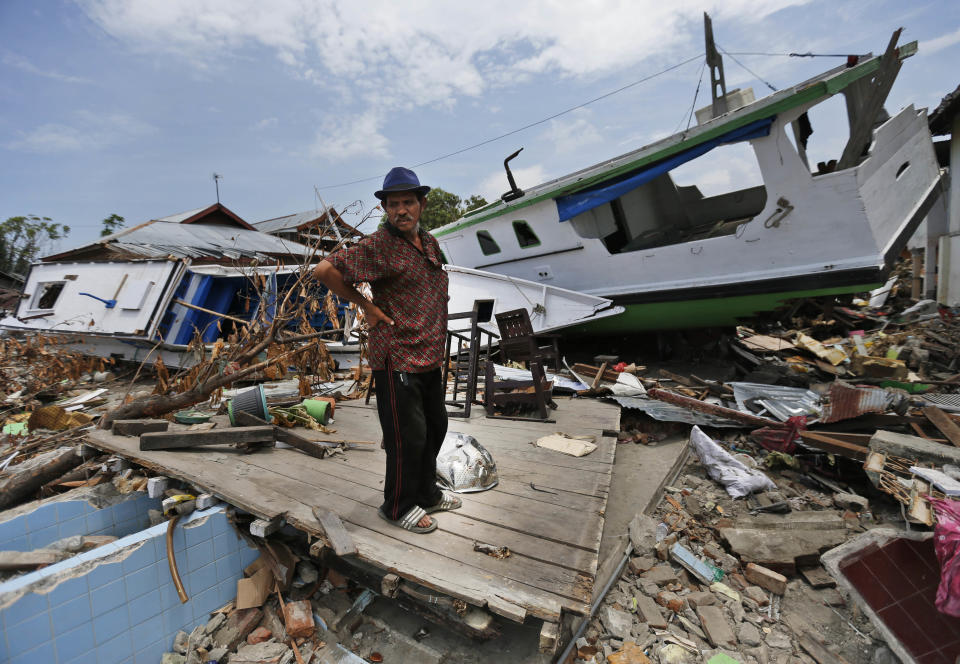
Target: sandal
x,y
448,502
410,520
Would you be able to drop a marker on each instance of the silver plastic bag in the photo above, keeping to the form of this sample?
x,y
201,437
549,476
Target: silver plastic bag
x,y
464,466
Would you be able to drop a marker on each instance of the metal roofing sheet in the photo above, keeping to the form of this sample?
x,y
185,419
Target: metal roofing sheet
x,y
289,222
847,402
180,216
163,238
667,412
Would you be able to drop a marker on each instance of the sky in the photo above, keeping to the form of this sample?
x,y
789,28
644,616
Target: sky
x,y
128,107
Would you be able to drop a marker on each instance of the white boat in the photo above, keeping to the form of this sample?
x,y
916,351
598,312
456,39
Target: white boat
x,y
623,229
550,308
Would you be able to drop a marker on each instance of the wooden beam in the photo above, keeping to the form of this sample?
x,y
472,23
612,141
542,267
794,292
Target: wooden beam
x,y
549,637
827,443
880,84
264,527
165,440
943,422
137,427
335,533
598,377
182,303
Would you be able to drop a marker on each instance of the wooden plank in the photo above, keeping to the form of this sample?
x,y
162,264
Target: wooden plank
x,y
517,568
334,532
517,488
137,427
335,491
521,470
164,440
834,445
229,477
596,379
943,422
879,88
555,524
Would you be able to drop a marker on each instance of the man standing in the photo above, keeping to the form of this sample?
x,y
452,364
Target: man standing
x,y
407,323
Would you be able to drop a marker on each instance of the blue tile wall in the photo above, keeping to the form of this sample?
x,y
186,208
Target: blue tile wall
x,y
120,611
52,521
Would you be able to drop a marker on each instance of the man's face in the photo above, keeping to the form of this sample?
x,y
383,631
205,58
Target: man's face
x,y
403,210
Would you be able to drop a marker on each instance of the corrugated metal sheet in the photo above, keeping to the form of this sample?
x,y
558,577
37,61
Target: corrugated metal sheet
x,y
780,401
949,402
180,216
164,238
847,402
288,223
667,412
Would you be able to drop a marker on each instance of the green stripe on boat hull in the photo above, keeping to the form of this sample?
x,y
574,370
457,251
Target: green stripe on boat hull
x,y
708,312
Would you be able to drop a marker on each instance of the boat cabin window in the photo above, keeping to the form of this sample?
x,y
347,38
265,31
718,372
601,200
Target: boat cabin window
x,y
487,244
47,294
525,235
710,196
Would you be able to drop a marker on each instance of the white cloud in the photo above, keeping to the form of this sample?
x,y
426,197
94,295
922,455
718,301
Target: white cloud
x,y
350,136
266,123
930,46
23,64
573,132
405,55
720,171
495,184
89,131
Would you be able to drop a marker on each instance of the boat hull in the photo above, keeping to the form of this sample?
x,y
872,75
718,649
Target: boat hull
x,y
721,311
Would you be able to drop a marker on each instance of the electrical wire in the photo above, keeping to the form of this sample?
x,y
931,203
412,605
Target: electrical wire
x,y
527,126
695,94
752,73
792,55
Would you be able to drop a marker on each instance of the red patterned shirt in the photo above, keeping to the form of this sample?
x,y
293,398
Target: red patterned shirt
x,y
410,287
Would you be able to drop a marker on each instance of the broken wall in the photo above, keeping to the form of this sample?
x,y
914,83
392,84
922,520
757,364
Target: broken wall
x,y
117,603
90,513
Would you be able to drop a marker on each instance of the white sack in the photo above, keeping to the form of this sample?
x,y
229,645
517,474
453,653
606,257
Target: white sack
x,y
721,466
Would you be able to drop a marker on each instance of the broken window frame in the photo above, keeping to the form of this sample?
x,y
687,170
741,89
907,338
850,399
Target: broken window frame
x,y
526,237
42,292
488,246
620,235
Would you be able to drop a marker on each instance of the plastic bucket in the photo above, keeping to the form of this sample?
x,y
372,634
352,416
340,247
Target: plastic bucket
x,y
317,409
253,401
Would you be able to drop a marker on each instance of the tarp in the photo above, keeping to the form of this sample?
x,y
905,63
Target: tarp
x,y
574,204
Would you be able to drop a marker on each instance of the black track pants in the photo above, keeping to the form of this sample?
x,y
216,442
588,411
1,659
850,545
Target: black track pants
x,y
414,422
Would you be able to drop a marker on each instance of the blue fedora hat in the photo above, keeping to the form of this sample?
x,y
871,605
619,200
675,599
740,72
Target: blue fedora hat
x,y
401,179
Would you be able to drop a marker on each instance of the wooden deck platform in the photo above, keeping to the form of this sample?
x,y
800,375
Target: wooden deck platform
x,y
548,508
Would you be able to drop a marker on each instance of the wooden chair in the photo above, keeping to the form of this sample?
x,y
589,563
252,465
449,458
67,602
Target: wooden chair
x,y
519,343
463,364
511,396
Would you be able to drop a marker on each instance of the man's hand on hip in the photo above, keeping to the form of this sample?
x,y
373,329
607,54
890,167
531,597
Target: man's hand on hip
x,y
374,316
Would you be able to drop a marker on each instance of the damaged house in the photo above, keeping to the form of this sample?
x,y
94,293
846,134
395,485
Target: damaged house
x,y
158,284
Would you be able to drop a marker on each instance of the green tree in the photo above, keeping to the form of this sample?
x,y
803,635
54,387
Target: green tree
x,y
443,208
23,238
112,224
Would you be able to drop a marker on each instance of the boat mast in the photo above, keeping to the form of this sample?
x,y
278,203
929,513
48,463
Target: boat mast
x,y
715,62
